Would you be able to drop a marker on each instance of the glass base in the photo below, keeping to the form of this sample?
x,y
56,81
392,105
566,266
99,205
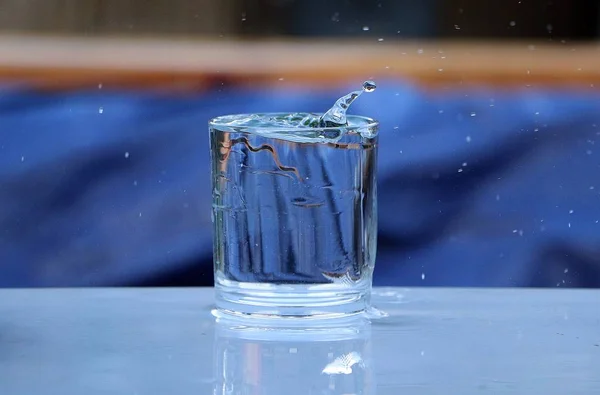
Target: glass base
x,y
304,301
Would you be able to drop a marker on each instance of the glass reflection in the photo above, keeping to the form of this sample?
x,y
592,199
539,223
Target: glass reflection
x,y
268,358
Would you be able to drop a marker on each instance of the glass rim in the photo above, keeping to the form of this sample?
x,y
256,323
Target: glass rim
x,y
214,122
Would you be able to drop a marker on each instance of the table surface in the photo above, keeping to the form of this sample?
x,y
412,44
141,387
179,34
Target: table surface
x,y
434,341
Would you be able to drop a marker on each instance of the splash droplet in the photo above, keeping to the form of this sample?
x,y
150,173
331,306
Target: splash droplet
x,y
336,115
369,86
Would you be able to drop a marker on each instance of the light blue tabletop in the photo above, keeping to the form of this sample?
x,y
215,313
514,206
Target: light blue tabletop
x,y
165,341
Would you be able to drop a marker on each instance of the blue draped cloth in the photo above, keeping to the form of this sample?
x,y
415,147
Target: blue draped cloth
x,y
477,187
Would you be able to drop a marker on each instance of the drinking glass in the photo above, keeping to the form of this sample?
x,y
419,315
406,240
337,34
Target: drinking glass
x,y
294,215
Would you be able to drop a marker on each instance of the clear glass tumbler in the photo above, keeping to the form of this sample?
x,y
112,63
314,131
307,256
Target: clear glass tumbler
x,y
295,217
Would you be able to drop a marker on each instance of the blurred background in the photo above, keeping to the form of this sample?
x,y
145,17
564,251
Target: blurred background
x,y
489,173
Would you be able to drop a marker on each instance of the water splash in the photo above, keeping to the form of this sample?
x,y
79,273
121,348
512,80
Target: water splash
x,y
336,115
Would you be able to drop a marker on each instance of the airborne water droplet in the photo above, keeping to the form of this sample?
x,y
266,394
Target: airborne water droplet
x,y
369,86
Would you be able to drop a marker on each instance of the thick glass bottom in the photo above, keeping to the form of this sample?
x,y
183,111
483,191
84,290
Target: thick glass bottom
x,y
318,301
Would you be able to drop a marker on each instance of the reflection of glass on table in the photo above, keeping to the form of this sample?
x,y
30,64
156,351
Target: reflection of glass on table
x,y
272,360
295,217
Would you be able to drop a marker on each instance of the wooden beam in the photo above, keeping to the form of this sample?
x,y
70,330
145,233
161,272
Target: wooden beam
x,y
76,62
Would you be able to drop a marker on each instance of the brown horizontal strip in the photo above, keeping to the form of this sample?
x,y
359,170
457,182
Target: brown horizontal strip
x,y
75,62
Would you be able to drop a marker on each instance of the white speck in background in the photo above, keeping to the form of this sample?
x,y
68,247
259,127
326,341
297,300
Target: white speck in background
x,y
126,155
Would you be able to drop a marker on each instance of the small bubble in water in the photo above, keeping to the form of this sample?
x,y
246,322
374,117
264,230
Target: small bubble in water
x,y
473,114
100,110
456,27
365,28
126,155
422,276
468,139
100,86
566,270
335,17
22,159
571,211
513,23
420,51
380,39
369,86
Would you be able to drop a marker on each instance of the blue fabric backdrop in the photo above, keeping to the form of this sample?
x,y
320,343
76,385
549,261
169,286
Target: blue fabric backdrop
x,y
477,187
